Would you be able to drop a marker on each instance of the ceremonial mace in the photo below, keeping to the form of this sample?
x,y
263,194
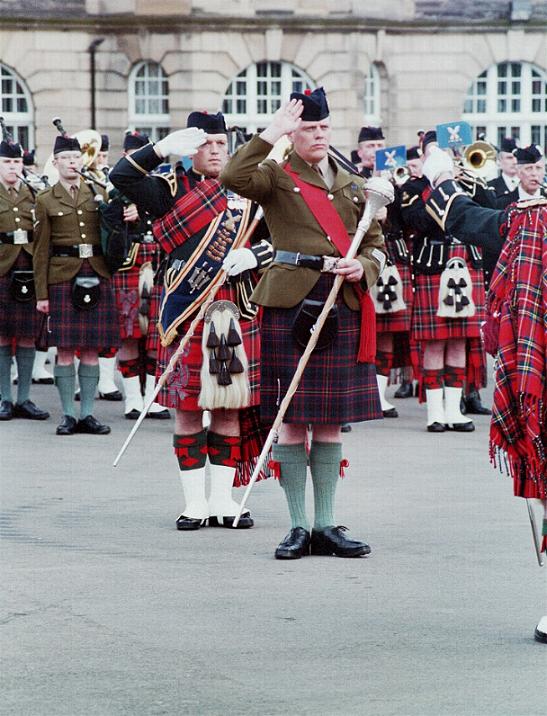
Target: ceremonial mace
x,y
186,338
535,534
379,193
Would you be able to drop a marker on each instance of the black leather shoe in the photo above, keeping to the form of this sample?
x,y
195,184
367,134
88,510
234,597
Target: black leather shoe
x,y
92,426
189,523
6,410
332,540
295,545
245,521
539,632
436,428
405,390
461,427
159,415
473,404
115,396
28,410
43,381
391,413
346,428
132,414
68,426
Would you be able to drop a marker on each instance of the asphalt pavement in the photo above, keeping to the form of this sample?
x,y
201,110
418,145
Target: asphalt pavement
x,y
107,610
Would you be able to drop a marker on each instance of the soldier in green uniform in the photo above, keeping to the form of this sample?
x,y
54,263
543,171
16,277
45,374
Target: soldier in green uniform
x,y
73,285
18,316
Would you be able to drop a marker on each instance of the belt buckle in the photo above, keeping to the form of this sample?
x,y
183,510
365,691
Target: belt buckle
x,y
329,264
85,251
20,236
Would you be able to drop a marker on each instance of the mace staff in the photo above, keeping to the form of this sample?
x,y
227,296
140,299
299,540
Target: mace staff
x,y
379,192
185,340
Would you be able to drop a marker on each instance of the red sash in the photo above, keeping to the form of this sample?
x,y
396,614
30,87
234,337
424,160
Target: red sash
x,y
329,220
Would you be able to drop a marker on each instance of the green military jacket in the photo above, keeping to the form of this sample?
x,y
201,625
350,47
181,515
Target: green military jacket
x,y
15,214
61,222
292,225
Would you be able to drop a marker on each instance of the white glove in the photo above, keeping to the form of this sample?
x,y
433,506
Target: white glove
x,y
437,163
239,260
182,143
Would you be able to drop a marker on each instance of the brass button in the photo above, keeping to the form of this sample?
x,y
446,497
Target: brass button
x,y
17,219
83,236
330,197
79,212
59,213
296,190
15,208
355,199
82,223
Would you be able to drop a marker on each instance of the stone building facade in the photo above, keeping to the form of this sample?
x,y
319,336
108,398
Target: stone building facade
x,y
408,64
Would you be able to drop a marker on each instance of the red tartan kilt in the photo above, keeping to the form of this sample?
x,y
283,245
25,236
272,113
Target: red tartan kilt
x,y
153,335
71,328
17,319
182,388
400,321
426,325
125,285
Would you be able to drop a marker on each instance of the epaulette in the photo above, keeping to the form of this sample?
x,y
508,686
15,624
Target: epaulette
x,y
171,180
408,199
530,203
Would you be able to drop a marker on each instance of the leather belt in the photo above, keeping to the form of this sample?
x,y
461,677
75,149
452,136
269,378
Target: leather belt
x,y
319,263
80,251
17,237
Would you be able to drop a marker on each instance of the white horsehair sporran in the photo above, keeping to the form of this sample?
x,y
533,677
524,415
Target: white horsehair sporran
x,y
388,291
456,291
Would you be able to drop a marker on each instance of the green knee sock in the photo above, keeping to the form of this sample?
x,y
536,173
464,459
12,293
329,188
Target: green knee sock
x,y
25,361
88,375
5,373
65,380
325,469
293,463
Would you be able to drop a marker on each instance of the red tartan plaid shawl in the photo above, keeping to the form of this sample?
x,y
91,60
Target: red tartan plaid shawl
x,y
518,300
189,214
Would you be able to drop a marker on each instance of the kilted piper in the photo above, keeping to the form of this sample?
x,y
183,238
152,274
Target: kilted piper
x,y
516,327
19,322
201,228
73,285
311,206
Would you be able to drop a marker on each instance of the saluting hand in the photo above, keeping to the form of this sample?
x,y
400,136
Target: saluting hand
x,y
182,143
285,121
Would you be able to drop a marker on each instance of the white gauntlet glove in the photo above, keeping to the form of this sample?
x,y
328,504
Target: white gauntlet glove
x,y
437,163
239,260
182,143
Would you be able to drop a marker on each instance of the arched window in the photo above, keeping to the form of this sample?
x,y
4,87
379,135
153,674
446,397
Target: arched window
x,y
149,100
258,91
16,107
509,100
371,97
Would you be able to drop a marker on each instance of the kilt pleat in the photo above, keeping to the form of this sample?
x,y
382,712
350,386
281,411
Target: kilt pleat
x,y
334,388
17,319
125,285
426,325
182,388
72,328
153,334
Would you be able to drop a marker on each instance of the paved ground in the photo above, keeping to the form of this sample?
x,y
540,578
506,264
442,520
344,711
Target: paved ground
x,y
105,609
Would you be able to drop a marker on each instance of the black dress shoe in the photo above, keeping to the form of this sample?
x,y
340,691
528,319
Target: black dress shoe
x,y
159,415
132,414
295,545
346,428
43,381
115,396
332,540
190,523
92,426
473,404
461,427
391,413
28,410
6,410
405,390
68,426
436,428
539,632
245,521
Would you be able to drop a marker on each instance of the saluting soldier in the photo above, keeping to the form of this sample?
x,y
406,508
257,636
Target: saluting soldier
x,y
339,382
19,321
73,285
196,222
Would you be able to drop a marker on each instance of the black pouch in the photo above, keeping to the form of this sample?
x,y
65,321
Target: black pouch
x,y
86,291
305,320
22,286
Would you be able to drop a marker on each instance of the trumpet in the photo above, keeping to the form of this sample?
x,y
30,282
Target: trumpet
x,y
480,158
